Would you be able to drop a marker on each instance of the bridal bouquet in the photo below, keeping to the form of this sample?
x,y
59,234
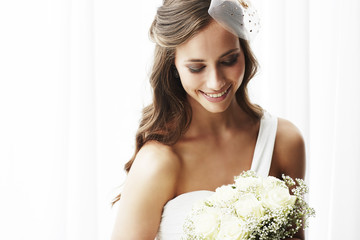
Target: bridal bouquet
x,y
251,208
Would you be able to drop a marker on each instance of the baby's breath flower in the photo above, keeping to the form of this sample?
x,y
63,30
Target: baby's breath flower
x,y
252,208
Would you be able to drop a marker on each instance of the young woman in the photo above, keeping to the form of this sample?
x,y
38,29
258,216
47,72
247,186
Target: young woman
x,y
201,129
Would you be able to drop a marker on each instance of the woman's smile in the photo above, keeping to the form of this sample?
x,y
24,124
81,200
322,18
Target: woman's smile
x,y
211,66
216,97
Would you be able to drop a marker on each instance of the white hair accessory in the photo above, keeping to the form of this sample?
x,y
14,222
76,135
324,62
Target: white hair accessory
x,y
237,16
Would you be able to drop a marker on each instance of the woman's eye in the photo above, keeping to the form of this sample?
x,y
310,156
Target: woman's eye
x,y
194,69
231,61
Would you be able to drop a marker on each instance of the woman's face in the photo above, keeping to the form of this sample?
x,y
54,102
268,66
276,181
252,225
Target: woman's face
x,y
211,67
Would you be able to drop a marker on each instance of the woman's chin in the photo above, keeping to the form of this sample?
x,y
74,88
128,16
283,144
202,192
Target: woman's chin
x,y
211,105
216,107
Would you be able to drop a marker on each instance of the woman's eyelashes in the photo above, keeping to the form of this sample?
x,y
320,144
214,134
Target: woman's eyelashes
x,y
195,69
230,61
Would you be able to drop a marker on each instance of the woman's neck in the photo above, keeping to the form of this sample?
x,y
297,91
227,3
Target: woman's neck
x,y
205,123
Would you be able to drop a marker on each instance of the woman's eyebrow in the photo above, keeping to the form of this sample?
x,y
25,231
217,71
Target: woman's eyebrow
x,y
228,52
223,55
195,60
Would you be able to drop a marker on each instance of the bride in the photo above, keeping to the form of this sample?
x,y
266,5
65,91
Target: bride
x,y
201,129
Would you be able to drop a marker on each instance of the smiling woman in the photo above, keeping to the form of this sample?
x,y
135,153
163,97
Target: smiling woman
x,y
72,88
201,129
217,74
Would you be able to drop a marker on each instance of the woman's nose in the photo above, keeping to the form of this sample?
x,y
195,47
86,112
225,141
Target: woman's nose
x,y
215,80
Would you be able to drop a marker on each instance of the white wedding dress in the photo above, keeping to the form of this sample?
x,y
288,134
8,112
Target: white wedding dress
x,y
176,209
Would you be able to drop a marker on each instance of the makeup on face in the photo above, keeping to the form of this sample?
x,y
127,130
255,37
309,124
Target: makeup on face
x,y
216,97
211,67
227,59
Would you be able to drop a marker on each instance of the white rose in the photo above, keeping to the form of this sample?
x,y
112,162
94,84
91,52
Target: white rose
x,y
206,223
271,182
232,228
277,196
248,204
223,196
243,183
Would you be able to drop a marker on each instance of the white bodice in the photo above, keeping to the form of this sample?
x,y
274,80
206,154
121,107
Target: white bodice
x,y
176,209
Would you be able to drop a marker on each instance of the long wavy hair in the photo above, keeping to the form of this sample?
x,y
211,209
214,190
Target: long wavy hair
x,y
168,117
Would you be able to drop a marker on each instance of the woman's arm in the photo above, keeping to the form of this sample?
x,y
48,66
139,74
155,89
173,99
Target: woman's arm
x,y
149,185
289,156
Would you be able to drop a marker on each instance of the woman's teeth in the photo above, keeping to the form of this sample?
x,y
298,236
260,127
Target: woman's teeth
x,y
216,95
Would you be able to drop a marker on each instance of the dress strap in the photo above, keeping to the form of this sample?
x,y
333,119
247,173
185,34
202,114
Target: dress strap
x,y
264,145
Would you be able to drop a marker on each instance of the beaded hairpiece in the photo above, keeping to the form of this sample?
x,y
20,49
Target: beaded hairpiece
x,y
237,16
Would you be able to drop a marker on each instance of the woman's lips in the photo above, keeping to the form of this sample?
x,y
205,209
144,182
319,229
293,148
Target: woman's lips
x,y
216,97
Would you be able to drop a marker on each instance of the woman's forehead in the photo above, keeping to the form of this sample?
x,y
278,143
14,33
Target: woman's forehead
x,y
211,42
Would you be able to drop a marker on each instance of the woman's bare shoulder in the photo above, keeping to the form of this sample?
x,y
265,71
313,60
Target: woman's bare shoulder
x,y
150,183
289,153
158,157
156,164
289,149
289,133
161,150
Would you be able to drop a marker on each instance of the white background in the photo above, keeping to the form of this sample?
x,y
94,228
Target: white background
x,y
73,81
